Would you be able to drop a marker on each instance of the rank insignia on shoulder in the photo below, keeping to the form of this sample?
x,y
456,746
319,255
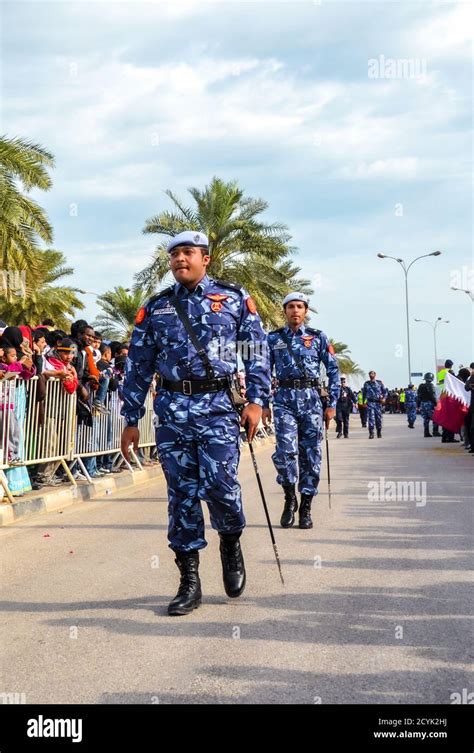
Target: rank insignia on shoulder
x,y
307,341
251,305
330,349
141,315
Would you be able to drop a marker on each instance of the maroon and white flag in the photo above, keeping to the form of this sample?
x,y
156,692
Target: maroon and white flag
x,y
452,405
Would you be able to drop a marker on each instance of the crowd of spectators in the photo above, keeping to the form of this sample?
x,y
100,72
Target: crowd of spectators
x,y
85,364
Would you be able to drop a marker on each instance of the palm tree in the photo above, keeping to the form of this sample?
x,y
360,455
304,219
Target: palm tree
x,y
346,365
35,296
243,249
119,307
22,221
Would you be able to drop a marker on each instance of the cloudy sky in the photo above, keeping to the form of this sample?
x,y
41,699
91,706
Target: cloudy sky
x,y
351,119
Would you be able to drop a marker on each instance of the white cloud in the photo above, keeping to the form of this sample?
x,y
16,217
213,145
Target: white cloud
x,y
401,169
448,33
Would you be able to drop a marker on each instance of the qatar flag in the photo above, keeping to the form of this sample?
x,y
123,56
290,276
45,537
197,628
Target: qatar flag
x,y
452,405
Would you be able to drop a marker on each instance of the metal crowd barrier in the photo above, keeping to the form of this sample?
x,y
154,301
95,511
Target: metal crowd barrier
x,y
39,428
103,437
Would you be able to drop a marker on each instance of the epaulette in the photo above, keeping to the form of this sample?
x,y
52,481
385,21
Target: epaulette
x,y
275,331
166,291
313,331
231,285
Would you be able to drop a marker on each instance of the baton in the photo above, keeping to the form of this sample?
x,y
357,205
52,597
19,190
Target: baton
x,y
252,453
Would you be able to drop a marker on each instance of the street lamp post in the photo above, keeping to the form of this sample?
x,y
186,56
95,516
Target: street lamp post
x,y
463,290
439,320
406,270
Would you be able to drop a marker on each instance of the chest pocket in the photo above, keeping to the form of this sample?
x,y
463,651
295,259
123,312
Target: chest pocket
x,y
168,330
308,355
219,324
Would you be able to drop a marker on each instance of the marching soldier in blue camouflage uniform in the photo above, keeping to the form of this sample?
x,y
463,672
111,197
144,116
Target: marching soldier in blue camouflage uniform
x,y
296,352
426,399
375,392
410,404
199,429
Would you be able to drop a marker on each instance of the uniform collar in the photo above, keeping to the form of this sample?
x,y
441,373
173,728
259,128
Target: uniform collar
x,y
300,331
182,291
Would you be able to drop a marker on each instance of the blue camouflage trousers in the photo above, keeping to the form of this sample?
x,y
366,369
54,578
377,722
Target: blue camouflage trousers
x,y
200,460
426,409
411,413
298,446
374,415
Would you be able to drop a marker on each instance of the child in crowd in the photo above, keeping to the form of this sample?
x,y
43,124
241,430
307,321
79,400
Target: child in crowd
x,y
58,364
10,368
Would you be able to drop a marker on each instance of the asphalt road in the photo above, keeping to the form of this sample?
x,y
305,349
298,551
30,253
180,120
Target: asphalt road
x,y
375,608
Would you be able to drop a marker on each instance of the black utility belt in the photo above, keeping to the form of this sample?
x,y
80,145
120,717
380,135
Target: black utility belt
x,y
195,386
299,384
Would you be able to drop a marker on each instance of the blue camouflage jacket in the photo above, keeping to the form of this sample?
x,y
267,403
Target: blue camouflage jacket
x,y
226,322
410,397
374,391
311,346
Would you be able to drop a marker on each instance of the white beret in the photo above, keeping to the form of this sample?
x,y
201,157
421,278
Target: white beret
x,y
296,297
188,238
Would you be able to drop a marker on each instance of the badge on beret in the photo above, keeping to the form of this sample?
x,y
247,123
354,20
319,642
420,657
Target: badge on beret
x,y
330,349
307,341
141,315
251,305
216,306
197,238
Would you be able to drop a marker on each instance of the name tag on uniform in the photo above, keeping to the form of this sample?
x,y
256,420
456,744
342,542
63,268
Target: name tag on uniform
x,y
167,310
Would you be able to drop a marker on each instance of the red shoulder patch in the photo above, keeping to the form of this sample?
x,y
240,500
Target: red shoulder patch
x,y
251,305
331,349
141,315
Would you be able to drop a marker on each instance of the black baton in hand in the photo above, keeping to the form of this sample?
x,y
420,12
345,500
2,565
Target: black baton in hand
x,y
252,453
329,468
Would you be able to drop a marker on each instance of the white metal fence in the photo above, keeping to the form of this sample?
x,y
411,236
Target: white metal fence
x,y
39,425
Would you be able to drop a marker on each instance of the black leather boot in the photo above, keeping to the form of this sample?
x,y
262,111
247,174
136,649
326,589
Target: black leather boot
x,y
305,511
291,505
379,433
189,592
436,433
427,433
371,434
233,568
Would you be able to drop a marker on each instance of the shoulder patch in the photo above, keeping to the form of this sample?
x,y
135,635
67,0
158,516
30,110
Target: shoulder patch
x,y
140,315
251,305
331,349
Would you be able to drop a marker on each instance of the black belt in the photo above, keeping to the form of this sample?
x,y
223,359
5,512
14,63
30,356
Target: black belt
x,y
298,384
195,386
